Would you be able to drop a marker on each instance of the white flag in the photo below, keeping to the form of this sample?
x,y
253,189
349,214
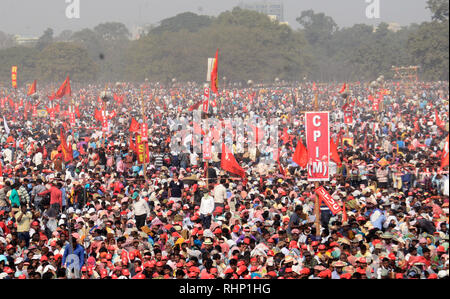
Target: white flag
x,y
6,125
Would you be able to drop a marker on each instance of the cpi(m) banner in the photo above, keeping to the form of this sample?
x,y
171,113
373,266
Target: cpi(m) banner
x,y
14,76
318,143
328,200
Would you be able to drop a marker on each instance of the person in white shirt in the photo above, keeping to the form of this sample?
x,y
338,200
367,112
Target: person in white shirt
x,y
141,210
220,194
206,208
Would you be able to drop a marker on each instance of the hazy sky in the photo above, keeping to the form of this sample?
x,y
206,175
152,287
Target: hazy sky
x,y
32,17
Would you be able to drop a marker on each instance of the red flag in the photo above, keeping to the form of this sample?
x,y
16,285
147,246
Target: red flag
x,y
445,154
300,155
439,122
66,149
32,88
134,127
98,115
334,153
229,163
343,88
280,167
131,144
77,111
214,75
314,86
195,106
52,97
344,213
64,89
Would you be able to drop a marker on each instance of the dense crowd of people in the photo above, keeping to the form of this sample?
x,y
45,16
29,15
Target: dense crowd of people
x,y
104,215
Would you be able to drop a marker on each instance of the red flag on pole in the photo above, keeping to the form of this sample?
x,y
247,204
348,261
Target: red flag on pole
x,y
300,155
214,75
32,89
343,88
134,127
64,89
228,162
334,153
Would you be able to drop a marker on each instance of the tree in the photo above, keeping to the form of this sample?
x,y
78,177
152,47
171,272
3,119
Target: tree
x,y
64,36
61,59
318,28
112,31
429,48
25,59
185,21
45,39
439,9
6,40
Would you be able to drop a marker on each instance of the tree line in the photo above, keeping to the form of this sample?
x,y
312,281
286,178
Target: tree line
x,y
251,47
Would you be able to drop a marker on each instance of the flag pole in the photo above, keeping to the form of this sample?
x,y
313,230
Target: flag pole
x,y
316,184
143,120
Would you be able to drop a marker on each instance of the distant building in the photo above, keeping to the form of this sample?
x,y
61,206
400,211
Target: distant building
x,y
394,27
274,9
26,41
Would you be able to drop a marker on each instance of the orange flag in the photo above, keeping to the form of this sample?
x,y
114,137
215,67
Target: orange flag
x,y
64,89
214,75
32,89
300,155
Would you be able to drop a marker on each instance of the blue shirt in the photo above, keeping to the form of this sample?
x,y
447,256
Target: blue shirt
x,y
78,251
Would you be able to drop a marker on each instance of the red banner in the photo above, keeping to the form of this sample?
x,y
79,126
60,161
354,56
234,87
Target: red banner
x,y
207,155
328,200
348,114
205,99
14,76
144,132
318,144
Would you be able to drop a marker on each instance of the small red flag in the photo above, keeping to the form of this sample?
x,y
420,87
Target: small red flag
x,y
32,88
64,89
344,213
195,106
343,88
300,155
134,127
334,153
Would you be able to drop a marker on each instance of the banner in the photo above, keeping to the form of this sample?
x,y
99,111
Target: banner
x,y
205,100
142,150
348,115
144,132
328,200
318,143
207,155
14,76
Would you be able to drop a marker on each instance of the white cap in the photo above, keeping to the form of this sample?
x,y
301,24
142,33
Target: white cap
x,y
91,210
